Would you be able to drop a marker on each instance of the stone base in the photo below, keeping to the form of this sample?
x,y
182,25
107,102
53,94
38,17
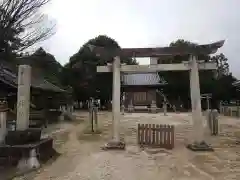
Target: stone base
x,y
113,145
153,110
203,146
26,164
23,137
25,155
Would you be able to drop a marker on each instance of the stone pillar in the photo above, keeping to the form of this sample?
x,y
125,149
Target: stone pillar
x,y
23,97
3,121
221,108
196,101
116,98
122,109
207,102
197,118
165,107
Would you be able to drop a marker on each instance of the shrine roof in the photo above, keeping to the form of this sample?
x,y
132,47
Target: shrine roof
x,y
8,75
142,79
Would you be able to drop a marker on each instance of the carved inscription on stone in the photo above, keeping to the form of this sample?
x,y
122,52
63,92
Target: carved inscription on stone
x,y
21,103
21,78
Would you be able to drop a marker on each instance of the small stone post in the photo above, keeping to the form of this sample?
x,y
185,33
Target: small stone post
x,y
122,109
153,107
130,106
215,124
221,108
165,107
209,121
23,97
91,114
95,110
208,103
3,121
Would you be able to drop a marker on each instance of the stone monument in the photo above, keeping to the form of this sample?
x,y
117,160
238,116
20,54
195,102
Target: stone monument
x,y
23,97
23,143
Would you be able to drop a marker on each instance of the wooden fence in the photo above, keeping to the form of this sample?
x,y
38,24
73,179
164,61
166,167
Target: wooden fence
x,y
155,135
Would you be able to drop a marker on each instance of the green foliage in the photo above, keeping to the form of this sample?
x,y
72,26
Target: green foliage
x,y
81,70
44,64
179,82
222,64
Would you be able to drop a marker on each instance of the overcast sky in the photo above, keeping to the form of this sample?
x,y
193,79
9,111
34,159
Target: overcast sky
x,y
145,23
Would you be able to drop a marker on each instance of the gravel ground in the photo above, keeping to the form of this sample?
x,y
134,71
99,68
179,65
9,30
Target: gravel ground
x,y
82,158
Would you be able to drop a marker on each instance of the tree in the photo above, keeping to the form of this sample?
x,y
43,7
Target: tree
x,y
178,86
21,25
44,64
178,82
82,65
222,64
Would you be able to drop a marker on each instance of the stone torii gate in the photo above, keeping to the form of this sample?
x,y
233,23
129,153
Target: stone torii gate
x,y
192,65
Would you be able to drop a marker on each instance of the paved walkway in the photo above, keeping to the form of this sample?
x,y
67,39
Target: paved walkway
x,y
82,158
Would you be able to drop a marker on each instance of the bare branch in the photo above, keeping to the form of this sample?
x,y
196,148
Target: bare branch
x,y
22,25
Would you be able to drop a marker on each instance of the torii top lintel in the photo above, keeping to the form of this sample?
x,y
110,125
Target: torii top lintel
x,y
158,51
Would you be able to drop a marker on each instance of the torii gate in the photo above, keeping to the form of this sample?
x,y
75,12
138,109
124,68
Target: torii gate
x,y
192,65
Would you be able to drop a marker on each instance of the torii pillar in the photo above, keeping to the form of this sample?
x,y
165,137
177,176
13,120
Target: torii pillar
x,y
116,143
198,143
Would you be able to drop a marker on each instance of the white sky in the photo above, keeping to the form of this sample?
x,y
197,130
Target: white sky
x,y
144,23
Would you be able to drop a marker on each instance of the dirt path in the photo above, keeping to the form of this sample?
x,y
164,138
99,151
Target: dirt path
x,y
83,159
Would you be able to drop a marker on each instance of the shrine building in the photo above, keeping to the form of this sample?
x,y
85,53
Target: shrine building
x,y
141,88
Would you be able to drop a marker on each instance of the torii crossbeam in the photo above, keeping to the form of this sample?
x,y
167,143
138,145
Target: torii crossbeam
x,y
192,65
